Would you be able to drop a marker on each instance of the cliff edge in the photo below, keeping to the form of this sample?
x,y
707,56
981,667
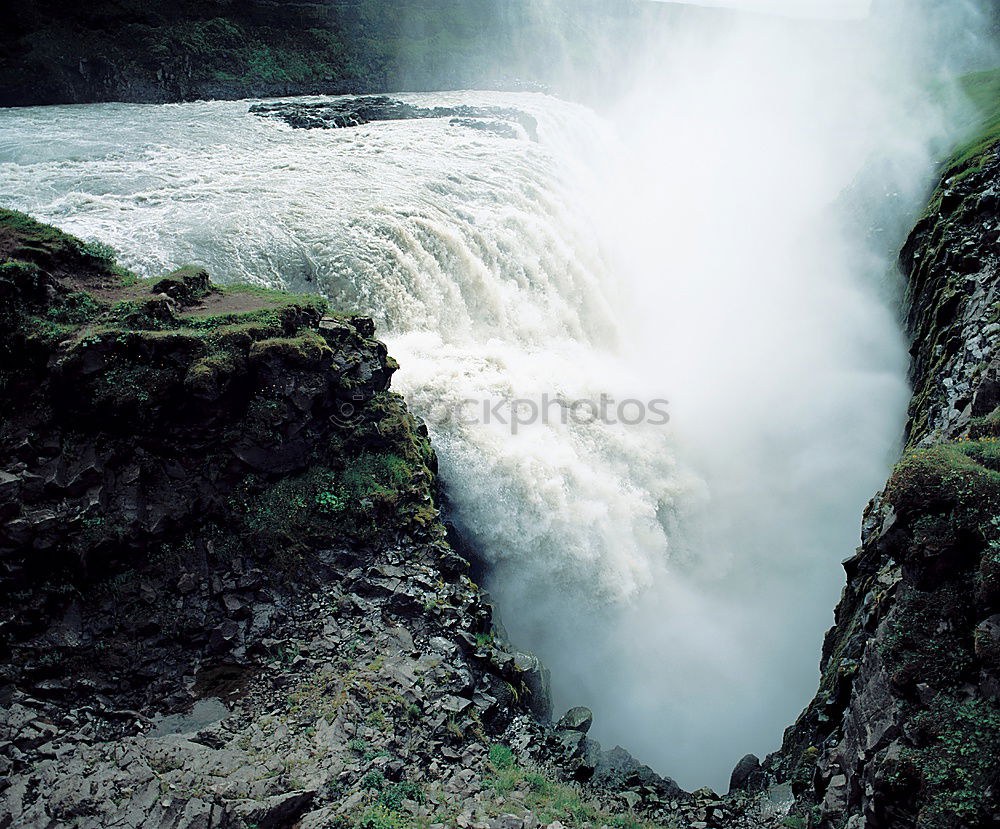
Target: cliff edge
x,y
228,599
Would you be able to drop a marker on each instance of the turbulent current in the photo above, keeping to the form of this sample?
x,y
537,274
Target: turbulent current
x,y
675,576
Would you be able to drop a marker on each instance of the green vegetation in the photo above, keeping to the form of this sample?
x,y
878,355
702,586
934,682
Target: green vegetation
x,y
183,50
929,639
218,375
548,799
954,763
501,757
957,480
357,499
180,50
983,91
77,308
948,499
392,796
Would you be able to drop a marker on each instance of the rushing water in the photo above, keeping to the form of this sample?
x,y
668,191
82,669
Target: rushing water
x,y
676,578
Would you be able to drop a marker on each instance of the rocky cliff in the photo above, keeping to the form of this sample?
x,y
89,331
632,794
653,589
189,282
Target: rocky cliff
x,y
905,728
227,596
180,50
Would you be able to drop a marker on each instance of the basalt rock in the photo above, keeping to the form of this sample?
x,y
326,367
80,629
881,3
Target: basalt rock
x,y
576,719
748,775
354,112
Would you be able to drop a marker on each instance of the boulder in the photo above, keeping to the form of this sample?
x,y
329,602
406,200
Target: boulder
x,y
748,776
576,719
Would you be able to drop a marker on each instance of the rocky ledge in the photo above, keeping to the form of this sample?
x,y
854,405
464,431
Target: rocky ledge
x,y
228,598
354,112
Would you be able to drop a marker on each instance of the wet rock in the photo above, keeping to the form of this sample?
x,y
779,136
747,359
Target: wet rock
x,y
748,775
277,811
576,719
353,112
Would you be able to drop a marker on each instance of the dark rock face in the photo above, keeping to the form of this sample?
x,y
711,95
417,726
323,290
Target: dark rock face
x,y
951,259
353,112
748,775
904,730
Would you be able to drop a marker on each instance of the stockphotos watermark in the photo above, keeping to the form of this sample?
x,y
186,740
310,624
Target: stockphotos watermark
x,y
520,413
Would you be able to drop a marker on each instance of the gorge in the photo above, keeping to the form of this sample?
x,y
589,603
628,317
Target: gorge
x,y
676,579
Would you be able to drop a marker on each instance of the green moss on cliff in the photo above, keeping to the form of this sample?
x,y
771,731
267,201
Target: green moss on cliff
x,y
947,498
226,395
953,768
957,479
929,639
357,499
983,91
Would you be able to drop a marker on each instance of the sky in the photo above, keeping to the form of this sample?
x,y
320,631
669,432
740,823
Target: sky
x,y
795,8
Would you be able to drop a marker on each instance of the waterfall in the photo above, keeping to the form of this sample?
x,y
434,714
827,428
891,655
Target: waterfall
x,y
696,249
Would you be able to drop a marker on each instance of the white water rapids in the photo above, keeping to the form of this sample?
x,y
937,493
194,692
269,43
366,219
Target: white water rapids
x,y
695,248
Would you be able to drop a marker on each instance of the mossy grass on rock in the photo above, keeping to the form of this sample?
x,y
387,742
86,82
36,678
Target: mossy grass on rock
x,y
142,416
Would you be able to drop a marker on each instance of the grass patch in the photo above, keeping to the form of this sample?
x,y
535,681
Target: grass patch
x,y
953,478
353,500
550,800
954,764
983,91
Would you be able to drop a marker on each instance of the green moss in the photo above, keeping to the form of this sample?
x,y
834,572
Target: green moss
x,y
550,800
308,350
277,312
986,426
947,479
929,638
34,239
124,389
380,817
393,795
955,761
78,308
364,498
988,578
143,314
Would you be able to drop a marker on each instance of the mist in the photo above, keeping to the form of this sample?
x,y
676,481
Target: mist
x,y
749,201
792,8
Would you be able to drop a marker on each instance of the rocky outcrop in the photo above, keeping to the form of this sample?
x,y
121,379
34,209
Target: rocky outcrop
x,y
905,727
353,112
228,599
